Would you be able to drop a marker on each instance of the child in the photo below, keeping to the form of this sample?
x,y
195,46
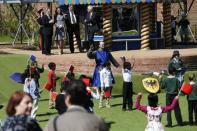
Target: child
x,y
90,92
192,100
70,75
33,68
60,105
154,112
171,84
31,88
127,91
51,84
106,83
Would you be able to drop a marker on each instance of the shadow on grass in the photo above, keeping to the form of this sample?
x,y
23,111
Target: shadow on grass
x,y
44,99
114,105
43,120
4,53
46,114
116,96
185,123
108,124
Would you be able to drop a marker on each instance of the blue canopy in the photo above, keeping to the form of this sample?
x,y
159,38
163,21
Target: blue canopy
x,y
77,2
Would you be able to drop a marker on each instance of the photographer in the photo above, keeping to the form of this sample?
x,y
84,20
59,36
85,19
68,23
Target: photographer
x,y
184,30
177,64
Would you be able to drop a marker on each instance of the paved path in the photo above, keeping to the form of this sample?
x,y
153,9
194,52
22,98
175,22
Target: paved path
x,y
131,53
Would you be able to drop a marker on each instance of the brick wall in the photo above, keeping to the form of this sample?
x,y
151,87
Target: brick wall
x,y
142,65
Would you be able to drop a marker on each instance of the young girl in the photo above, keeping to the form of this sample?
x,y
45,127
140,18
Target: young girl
x,y
106,83
154,112
127,91
31,88
70,75
51,83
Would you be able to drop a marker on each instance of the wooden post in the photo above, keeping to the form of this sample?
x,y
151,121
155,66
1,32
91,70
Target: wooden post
x,y
152,17
145,26
107,24
167,24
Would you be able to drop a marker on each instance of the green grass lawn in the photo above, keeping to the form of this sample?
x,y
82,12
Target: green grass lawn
x,y
118,120
5,38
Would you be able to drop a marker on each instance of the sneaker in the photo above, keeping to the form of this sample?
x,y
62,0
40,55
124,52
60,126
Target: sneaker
x,y
51,107
180,124
111,97
108,106
1,106
168,125
100,106
191,124
123,109
40,91
129,109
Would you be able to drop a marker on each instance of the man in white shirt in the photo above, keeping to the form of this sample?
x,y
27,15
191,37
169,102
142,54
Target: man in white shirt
x,y
72,23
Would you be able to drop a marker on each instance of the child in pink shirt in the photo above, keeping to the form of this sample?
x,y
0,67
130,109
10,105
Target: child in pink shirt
x,y
154,112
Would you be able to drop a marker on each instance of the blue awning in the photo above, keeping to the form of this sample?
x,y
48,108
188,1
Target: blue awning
x,y
77,2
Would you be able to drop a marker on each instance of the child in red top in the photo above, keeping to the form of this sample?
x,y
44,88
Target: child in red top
x,y
70,75
51,83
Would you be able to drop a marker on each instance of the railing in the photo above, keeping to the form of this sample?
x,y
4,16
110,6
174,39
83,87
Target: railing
x,y
127,40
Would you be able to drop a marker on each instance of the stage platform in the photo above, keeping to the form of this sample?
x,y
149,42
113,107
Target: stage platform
x,y
151,60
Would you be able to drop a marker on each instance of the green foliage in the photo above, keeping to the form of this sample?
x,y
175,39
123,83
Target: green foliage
x,y
9,23
5,38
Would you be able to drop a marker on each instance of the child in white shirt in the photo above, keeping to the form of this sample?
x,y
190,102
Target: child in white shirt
x,y
127,90
31,88
106,83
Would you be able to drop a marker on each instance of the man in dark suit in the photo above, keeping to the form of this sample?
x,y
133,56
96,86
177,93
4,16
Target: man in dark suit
x,y
39,20
91,25
47,31
72,23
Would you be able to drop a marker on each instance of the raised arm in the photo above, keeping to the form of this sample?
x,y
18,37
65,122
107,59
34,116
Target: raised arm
x,y
138,106
168,108
41,70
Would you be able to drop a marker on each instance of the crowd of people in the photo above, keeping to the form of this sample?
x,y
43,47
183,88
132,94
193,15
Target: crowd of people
x,y
75,100
66,23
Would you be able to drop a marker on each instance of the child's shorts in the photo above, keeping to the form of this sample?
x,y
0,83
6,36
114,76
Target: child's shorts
x,y
107,92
